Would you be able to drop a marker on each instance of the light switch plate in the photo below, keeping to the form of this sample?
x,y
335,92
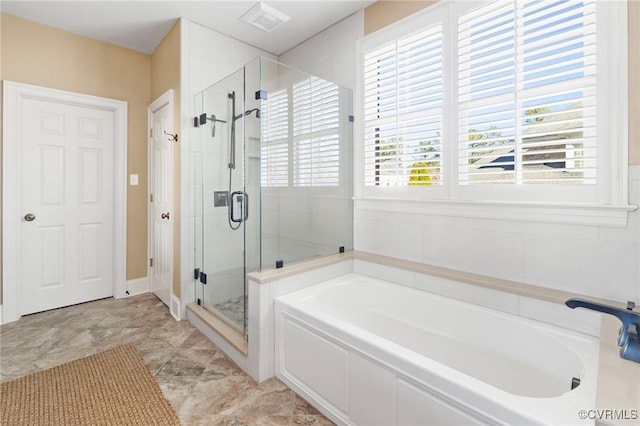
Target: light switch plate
x,y
133,180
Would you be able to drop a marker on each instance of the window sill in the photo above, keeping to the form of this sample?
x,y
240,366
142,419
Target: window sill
x,y
574,214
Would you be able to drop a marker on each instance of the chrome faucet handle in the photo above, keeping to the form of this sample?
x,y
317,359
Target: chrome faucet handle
x,y
629,337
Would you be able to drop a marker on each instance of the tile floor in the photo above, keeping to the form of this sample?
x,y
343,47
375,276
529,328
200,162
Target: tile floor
x,y
202,384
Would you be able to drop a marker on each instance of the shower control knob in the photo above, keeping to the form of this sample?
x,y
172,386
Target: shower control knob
x,y
165,215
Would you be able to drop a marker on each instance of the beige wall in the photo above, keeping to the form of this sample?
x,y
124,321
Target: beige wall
x,y
634,82
165,75
44,56
1,237
386,12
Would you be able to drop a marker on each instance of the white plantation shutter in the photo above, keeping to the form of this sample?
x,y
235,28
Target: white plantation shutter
x,y
316,133
527,93
403,111
519,110
275,139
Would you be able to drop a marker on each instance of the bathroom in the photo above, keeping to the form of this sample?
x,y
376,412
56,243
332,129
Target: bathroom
x,y
591,252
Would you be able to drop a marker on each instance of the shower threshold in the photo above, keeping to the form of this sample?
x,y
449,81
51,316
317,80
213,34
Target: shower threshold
x,y
208,320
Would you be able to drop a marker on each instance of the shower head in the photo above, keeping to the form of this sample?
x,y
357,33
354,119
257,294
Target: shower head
x,y
256,110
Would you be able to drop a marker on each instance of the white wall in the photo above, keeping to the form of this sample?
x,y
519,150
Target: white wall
x,y
592,260
330,54
207,57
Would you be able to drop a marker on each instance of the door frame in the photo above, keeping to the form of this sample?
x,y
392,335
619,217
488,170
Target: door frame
x,y
166,99
13,95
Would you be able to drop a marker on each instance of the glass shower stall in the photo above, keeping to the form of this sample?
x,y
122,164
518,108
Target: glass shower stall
x,y
273,179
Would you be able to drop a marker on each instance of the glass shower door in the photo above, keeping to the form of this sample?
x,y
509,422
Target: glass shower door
x,y
229,210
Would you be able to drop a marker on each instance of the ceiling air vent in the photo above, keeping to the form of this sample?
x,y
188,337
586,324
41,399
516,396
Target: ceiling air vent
x,y
264,17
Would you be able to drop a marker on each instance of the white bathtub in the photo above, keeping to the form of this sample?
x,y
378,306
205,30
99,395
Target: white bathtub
x,y
368,352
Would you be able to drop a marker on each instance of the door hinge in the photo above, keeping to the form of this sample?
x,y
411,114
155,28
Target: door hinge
x,y
151,198
196,273
203,278
151,262
150,133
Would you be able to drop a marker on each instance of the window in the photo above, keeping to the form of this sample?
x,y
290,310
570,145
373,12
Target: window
x,y
503,101
403,111
526,93
301,135
275,139
316,133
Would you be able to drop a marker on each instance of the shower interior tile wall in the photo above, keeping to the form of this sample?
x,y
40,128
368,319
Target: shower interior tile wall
x,y
298,225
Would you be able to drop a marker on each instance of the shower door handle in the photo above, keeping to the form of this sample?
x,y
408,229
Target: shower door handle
x,y
243,198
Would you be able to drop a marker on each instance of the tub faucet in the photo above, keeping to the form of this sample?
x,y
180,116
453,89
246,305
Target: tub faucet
x,y
629,338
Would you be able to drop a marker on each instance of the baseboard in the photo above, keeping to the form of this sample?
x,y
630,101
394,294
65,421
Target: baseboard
x,y
137,286
1,315
174,307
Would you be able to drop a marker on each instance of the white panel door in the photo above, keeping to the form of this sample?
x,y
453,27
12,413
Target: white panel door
x,y
66,175
161,188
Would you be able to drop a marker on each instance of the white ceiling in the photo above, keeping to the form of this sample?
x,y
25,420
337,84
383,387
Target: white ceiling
x,y
141,25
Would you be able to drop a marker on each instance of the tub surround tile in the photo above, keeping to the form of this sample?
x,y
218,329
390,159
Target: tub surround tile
x,y
494,299
614,393
442,248
486,252
483,281
581,320
300,267
383,272
579,271
288,284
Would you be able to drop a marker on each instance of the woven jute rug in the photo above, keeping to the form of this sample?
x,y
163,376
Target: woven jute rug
x,y
113,387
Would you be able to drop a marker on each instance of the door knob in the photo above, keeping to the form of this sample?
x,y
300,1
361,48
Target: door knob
x,y
29,217
165,215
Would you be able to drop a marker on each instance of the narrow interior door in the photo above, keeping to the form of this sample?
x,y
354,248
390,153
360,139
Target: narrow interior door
x,y
161,206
